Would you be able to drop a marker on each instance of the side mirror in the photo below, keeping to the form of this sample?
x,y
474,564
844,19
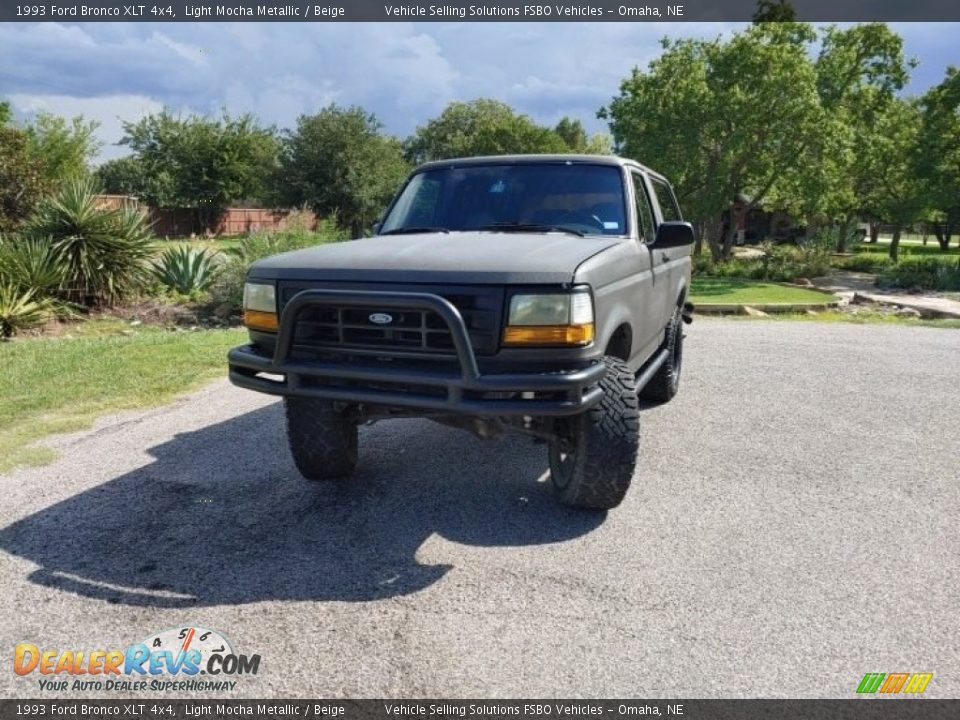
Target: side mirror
x,y
673,234
376,227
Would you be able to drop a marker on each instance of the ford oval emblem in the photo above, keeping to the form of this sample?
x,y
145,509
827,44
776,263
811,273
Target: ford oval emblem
x,y
381,318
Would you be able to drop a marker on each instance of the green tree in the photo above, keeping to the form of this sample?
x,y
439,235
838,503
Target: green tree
x,y
130,176
575,137
481,127
898,196
339,163
572,133
938,158
6,113
723,119
201,163
23,178
66,147
859,71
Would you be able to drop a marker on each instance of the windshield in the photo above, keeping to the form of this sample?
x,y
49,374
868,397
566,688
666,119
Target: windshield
x,y
575,197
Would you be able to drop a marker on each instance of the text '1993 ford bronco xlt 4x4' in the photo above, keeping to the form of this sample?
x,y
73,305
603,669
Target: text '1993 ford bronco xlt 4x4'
x,y
539,293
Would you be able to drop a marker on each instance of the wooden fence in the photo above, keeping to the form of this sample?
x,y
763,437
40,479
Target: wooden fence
x,y
186,222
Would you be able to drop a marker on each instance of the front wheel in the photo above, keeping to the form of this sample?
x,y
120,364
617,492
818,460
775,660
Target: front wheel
x,y
323,438
665,383
593,457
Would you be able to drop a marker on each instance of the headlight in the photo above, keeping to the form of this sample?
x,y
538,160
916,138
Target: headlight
x,y
550,319
260,306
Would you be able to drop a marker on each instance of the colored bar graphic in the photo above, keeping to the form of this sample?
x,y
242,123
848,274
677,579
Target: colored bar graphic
x,y
894,682
918,682
914,683
871,682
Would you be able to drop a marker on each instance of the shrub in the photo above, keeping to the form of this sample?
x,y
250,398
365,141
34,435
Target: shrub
x,y
30,263
102,252
23,177
228,287
21,309
263,244
810,258
779,263
823,241
928,273
705,265
865,262
186,270
702,264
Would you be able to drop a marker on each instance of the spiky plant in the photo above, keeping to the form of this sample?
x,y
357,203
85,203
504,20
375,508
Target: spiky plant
x,y
102,251
21,309
30,263
186,269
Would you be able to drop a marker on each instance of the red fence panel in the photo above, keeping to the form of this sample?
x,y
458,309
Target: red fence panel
x,y
185,222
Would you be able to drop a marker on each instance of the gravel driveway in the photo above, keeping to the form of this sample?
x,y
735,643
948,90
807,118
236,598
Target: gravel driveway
x,y
793,525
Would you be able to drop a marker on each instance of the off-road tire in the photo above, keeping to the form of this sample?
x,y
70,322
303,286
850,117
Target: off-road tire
x,y
322,438
594,465
665,383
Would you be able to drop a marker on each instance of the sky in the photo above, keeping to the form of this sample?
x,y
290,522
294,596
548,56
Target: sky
x,y
405,73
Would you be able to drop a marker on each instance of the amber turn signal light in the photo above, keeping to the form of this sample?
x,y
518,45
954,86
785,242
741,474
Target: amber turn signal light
x,y
257,320
548,334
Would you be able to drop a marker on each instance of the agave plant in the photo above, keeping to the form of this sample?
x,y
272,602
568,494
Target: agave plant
x,y
21,309
30,263
186,269
102,251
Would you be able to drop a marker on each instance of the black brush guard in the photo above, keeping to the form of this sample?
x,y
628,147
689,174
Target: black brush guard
x,y
450,391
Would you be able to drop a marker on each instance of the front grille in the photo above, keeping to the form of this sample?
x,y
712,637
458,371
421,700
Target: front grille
x,y
347,327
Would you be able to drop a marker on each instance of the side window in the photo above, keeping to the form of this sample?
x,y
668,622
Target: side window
x,y
645,225
423,205
417,204
668,203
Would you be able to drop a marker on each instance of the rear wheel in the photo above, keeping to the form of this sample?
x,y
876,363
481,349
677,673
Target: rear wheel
x,y
594,456
665,383
322,437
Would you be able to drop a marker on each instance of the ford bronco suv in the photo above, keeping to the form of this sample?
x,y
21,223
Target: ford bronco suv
x,y
537,293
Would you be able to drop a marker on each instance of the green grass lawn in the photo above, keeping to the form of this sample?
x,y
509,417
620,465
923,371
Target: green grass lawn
x,y
912,248
912,238
734,291
62,384
212,243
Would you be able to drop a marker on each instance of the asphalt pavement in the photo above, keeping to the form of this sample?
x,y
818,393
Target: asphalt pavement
x,y
793,524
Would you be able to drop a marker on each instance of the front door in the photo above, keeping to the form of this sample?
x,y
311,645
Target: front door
x,y
657,313
673,260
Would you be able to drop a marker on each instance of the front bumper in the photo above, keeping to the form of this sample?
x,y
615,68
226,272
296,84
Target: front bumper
x,y
459,388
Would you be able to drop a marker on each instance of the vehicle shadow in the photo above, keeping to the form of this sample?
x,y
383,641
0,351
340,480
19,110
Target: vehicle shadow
x,y
222,517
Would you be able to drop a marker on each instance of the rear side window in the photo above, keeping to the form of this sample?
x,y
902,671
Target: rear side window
x,y
645,229
668,203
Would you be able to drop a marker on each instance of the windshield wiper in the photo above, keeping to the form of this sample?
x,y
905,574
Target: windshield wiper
x,y
530,227
414,230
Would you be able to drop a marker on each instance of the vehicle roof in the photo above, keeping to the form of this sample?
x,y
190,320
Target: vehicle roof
x,y
530,159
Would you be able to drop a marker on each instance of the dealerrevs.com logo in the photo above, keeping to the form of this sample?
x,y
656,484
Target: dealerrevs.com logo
x,y
179,659
894,683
